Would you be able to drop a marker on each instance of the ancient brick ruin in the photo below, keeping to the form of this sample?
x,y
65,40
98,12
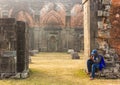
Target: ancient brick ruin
x,y
55,25
50,32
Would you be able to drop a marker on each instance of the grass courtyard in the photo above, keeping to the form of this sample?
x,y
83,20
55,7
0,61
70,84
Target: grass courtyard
x,y
58,69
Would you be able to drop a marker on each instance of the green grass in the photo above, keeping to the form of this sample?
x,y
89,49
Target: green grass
x,y
57,69
80,74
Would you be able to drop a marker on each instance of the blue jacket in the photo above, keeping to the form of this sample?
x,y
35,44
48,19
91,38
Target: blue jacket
x,y
102,63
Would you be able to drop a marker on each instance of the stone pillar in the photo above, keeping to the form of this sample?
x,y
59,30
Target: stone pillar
x,y
90,25
31,38
87,46
36,38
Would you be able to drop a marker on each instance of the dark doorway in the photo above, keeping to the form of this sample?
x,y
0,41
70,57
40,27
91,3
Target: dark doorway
x,y
52,44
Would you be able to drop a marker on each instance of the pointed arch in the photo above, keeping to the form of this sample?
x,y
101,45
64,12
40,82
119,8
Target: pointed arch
x,y
56,10
53,14
23,15
77,16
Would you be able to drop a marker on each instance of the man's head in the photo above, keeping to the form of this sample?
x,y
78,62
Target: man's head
x,y
94,52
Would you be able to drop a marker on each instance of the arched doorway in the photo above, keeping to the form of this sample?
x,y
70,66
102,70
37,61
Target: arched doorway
x,y
52,44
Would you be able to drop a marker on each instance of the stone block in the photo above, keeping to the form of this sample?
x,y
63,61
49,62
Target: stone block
x,y
18,75
107,55
104,34
118,65
75,55
106,2
116,70
24,75
112,51
100,13
109,26
70,51
118,75
107,7
100,24
106,13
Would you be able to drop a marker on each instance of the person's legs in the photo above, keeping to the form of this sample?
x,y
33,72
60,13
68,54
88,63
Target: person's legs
x,y
89,65
94,66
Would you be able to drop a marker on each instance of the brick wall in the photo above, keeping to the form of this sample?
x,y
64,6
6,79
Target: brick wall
x,y
115,21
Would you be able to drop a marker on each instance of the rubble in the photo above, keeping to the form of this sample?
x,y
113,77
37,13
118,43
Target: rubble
x,y
75,55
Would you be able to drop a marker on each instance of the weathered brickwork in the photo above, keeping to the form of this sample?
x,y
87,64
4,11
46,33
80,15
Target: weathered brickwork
x,y
108,38
115,31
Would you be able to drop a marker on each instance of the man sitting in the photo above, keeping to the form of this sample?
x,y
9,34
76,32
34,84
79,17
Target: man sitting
x,y
96,61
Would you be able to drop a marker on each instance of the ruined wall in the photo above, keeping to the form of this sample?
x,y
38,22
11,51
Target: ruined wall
x,y
14,55
108,37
